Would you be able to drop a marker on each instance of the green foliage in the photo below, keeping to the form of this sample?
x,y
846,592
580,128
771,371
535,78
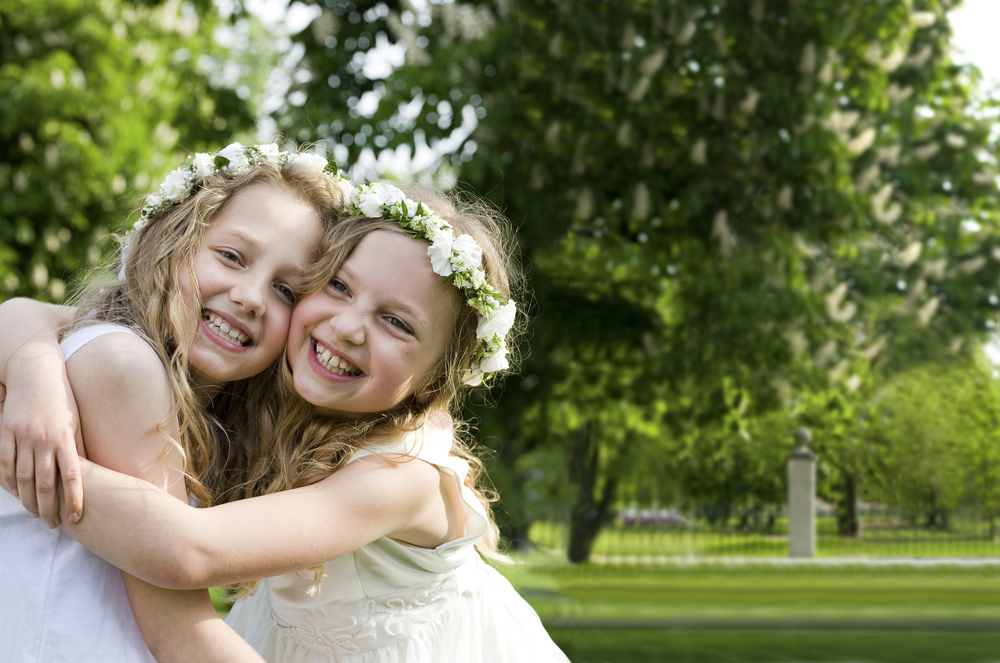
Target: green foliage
x,y
937,429
729,209
95,97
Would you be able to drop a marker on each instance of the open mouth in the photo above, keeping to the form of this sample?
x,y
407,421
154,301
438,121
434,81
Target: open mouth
x,y
333,363
225,330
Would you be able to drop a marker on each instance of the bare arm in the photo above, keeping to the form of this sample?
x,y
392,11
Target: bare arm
x,y
178,547
39,437
125,402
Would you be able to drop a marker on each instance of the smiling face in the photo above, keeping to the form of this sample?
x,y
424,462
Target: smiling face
x,y
368,341
249,266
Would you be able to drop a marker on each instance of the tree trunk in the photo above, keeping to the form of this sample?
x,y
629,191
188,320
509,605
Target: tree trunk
x,y
847,507
589,513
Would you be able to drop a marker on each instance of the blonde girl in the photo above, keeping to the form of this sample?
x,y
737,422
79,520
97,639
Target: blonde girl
x,y
367,515
167,359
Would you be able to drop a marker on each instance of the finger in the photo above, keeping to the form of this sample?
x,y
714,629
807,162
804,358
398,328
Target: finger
x,y
45,489
8,460
25,480
69,471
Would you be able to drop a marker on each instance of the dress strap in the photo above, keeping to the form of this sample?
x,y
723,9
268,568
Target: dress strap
x,y
422,443
80,337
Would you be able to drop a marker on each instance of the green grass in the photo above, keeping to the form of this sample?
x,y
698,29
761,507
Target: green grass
x,y
719,592
714,613
775,646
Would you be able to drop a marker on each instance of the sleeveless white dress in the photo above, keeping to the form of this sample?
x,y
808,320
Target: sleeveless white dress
x,y
392,602
60,603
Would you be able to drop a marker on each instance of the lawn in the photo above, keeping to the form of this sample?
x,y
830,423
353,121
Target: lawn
x,y
753,613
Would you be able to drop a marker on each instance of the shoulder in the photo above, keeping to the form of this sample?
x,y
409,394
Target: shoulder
x,y
117,362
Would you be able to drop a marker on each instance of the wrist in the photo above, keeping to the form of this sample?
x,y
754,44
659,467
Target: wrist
x,y
30,357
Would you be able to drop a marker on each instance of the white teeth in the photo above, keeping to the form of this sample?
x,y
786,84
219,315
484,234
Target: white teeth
x,y
333,363
223,328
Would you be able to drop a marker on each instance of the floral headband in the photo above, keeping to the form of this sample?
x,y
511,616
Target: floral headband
x,y
234,158
455,258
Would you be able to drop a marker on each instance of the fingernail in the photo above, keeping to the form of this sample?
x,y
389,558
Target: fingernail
x,y
49,523
33,514
73,517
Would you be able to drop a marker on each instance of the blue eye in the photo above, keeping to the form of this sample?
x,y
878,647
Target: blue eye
x,y
286,292
229,255
338,285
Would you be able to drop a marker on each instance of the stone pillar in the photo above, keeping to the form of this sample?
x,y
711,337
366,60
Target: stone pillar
x,y
802,497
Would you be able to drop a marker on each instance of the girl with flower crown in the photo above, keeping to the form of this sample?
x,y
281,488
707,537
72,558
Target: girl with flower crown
x,y
178,348
363,513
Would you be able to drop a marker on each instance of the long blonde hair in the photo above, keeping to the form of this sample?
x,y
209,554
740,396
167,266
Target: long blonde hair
x,y
306,448
150,301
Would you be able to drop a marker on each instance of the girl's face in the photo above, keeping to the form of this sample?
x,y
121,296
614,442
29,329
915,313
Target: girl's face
x,y
375,334
249,267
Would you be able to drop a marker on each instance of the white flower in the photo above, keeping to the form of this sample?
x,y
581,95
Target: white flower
x,y
204,164
497,324
348,189
429,225
370,202
233,152
152,202
440,251
469,255
391,195
495,362
473,378
177,185
411,208
270,152
310,161
478,278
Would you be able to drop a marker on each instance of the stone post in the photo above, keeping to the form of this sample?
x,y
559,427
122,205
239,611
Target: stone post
x,y
802,497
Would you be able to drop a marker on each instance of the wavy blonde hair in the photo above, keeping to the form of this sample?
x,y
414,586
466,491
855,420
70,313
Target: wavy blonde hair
x,y
150,301
306,448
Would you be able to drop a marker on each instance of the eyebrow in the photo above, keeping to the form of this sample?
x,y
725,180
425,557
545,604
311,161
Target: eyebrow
x,y
252,240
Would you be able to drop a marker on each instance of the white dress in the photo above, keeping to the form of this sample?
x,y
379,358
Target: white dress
x,y
60,603
392,602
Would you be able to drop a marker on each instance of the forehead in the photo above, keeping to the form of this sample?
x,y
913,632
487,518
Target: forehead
x,y
399,267
269,220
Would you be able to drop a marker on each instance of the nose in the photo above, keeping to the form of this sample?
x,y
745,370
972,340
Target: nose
x,y
250,297
348,327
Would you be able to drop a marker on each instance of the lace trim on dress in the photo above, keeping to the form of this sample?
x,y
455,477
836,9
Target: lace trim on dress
x,y
377,622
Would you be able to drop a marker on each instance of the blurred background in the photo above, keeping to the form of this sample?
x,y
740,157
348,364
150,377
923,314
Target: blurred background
x,y
738,218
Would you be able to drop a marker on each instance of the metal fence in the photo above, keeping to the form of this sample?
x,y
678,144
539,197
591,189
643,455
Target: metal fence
x,y
653,534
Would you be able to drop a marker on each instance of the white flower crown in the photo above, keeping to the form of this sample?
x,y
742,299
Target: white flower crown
x,y
455,258
234,158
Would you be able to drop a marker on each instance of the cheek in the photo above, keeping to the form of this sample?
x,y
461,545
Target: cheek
x,y
277,326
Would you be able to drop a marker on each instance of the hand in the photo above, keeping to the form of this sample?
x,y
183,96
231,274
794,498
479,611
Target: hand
x,y
40,440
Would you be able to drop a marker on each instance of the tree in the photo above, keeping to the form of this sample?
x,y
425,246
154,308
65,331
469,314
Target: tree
x,y
94,101
720,202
